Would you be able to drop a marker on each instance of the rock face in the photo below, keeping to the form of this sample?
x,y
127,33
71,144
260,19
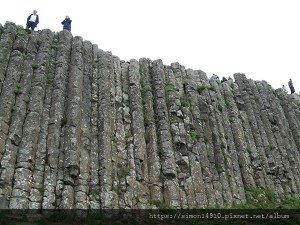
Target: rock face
x,y
81,129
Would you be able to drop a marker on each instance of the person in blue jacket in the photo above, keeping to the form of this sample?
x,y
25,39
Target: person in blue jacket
x,y
32,20
67,23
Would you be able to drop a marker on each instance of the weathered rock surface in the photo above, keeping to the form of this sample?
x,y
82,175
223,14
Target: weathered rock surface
x,y
82,129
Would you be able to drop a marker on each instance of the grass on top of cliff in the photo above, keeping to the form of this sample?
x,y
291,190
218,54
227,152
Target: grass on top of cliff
x,y
259,198
21,31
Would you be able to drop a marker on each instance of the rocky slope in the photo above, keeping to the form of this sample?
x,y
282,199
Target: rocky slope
x,y
80,128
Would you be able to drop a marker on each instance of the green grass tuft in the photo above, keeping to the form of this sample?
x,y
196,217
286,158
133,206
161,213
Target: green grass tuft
x,y
259,198
21,75
170,87
201,88
185,102
194,136
95,192
162,178
21,31
34,66
54,45
18,90
124,172
50,82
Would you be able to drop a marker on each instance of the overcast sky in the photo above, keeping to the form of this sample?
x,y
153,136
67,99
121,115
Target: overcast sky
x,y
260,38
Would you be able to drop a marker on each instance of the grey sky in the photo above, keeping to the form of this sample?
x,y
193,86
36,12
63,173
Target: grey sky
x,y
257,37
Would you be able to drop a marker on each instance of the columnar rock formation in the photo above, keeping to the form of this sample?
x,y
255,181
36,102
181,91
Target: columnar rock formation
x,y
80,128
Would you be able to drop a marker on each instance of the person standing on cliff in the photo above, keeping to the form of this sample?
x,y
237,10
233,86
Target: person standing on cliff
x,y
67,23
32,20
284,89
290,83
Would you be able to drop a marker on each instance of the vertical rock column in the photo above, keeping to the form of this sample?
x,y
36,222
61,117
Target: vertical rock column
x,y
31,128
162,121
166,151
119,184
273,118
194,185
290,106
72,138
126,170
94,190
105,154
138,129
174,90
11,88
130,189
115,64
287,122
37,192
7,37
251,121
265,149
242,134
267,130
223,158
237,154
210,160
217,166
13,107
56,121
6,42
229,154
155,185
173,191
82,183
139,189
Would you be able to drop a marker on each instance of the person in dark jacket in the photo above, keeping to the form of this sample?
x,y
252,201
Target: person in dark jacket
x,y
291,86
32,20
67,23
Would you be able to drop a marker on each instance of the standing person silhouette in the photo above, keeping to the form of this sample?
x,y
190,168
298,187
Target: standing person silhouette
x,y
291,86
67,23
32,20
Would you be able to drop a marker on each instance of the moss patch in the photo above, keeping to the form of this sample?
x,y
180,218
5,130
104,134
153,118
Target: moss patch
x,y
18,90
21,31
169,87
259,198
34,66
54,45
124,172
201,88
185,102
162,178
194,136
